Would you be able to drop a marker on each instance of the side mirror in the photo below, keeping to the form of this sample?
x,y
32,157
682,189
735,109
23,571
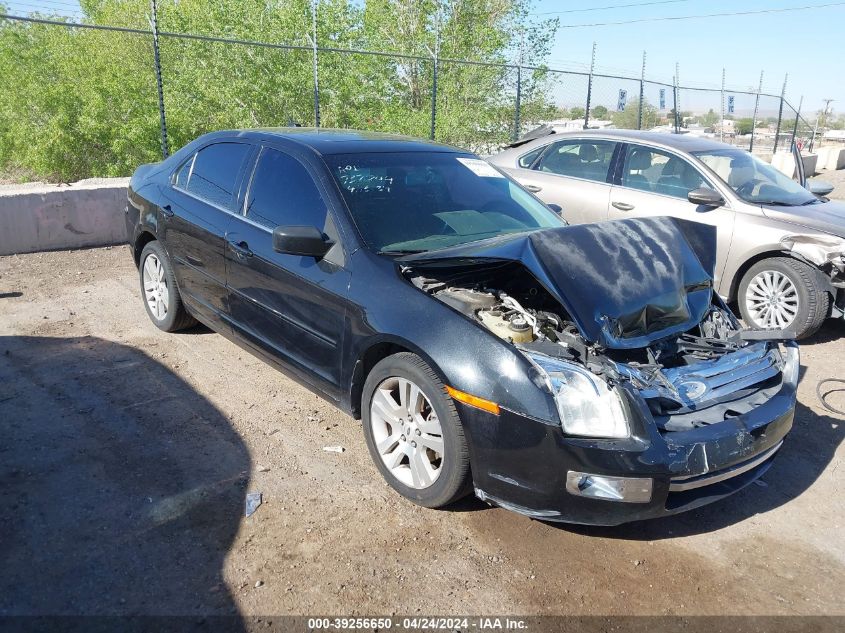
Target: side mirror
x,y
819,187
307,241
706,197
556,208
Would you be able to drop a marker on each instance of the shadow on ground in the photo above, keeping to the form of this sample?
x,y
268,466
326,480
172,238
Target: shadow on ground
x,y
121,488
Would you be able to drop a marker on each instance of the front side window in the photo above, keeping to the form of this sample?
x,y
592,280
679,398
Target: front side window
x,y
420,201
283,192
215,173
753,180
579,159
656,171
526,159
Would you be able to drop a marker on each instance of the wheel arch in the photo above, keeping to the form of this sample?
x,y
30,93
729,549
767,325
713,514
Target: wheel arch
x,y
370,355
823,279
144,238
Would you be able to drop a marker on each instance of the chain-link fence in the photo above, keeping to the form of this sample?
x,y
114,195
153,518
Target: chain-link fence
x,y
184,84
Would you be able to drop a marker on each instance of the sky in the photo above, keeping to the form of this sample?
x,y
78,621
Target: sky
x,y
807,44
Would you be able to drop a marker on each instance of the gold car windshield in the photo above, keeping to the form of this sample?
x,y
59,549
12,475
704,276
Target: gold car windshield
x,y
753,180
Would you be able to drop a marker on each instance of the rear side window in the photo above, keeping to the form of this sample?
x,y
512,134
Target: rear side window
x,y
579,159
215,172
181,177
283,192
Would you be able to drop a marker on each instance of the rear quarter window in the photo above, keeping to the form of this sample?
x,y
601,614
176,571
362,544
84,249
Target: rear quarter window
x,y
215,172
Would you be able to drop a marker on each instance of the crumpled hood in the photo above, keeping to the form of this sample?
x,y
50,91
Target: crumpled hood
x,y
625,283
828,217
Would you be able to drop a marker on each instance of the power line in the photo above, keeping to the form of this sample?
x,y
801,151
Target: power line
x,y
33,8
709,15
612,6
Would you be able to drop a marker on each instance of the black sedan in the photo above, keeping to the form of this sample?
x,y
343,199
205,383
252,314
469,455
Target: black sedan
x,y
585,373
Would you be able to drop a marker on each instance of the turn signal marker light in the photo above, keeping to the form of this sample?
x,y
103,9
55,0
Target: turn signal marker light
x,y
473,401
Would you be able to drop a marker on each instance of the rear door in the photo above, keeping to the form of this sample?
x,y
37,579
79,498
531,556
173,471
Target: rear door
x,y
198,207
574,174
288,307
654,182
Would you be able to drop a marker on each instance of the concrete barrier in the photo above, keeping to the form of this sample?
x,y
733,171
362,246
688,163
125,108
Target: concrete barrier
x,y
785,163
831,157
41,217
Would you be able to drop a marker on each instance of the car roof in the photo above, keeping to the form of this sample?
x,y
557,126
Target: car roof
x,y
326,141
681,142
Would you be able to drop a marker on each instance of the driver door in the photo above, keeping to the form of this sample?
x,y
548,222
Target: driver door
x,y
290,308
654,182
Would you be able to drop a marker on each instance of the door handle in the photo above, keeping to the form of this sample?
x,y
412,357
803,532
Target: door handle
x,y
167,211
533,188
623,206
241,249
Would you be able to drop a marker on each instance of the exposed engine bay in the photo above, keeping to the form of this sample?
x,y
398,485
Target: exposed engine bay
x,y
705,375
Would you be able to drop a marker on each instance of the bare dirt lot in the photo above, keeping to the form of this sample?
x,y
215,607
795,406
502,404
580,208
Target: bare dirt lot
x,y
126,454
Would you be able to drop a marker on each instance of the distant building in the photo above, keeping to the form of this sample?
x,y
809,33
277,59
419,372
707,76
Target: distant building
x,y
727,126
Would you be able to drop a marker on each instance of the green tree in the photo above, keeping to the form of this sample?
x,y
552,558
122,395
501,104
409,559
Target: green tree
x,y
710,119
576,112
744,126
629,117
600,112
73,108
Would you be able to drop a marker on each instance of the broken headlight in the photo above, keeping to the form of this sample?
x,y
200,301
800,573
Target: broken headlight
x,y
586,405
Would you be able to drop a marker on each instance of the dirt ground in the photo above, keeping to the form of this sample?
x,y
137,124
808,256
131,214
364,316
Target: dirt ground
x,y
126,455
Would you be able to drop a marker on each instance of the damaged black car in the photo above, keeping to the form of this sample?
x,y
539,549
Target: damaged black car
x,y
586,374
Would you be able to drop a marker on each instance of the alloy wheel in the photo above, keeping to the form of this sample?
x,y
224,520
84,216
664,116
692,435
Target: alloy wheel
x,y
407,432
155,287
772,300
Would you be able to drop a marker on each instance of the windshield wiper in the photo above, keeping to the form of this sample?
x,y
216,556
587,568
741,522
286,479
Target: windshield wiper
x,y
775,203
403,251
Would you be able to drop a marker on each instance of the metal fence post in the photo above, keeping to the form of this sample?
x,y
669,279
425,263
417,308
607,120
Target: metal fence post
x,y
795,127
165,149
516,112
314,63
642,96
722,120
590,89
677,88
434,94
756,108
780,113
675,102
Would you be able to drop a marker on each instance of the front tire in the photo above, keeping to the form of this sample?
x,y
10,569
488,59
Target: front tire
x,y
783,293
160,292
413,432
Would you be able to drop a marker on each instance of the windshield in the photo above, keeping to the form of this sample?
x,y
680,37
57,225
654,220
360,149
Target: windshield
x,y
753,180
420,201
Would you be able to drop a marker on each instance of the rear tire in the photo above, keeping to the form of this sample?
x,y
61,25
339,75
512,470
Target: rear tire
x,y
783,293
408,417
160,292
